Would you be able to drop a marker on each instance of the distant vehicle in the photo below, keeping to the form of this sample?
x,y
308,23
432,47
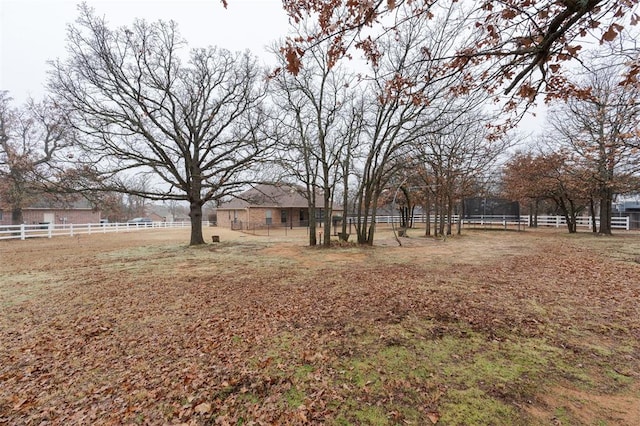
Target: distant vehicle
x,y
140,220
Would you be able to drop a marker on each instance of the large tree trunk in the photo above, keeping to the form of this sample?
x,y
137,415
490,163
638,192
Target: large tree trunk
x,y
374,213
16,216
460,216
427,220
442,212
427,209
328,217
362,219
313,238
449,215
311,197
569,216
345,202
195,213
606,200
372,231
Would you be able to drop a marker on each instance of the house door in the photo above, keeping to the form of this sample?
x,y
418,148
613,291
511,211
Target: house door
x,y
49,218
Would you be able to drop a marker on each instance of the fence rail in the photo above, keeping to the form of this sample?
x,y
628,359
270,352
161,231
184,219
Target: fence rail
x,y
617,222
25,231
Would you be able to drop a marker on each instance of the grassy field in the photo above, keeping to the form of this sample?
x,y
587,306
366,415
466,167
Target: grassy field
x,y
490,328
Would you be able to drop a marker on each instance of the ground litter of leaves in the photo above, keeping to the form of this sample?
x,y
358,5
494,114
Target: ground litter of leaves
x,y
496,328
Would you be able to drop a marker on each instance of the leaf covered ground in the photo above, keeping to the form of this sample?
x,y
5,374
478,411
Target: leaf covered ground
x,y
499,328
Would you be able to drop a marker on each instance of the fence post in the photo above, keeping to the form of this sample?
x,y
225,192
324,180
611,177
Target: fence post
x,y
557,221
22,232
50,231
71,230
89,228
626,223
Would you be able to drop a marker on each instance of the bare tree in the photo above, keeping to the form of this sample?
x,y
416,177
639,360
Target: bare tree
x,y
599,132
410,105
194,126
462,150
314,149
34,142
351,133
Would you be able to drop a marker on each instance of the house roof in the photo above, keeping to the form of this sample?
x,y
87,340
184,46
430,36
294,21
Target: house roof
x,y
266,195
52,203
163,211
270,195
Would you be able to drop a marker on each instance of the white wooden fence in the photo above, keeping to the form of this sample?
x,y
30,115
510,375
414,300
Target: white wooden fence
x,y
25,231
621,222
553,221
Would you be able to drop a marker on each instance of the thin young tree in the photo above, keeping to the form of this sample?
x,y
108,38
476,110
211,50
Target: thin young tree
x,y
463,149
351,133
396,113
312,104
193,121
420,99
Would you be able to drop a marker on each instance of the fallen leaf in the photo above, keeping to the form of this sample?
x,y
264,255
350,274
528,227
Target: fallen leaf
x,y
19,404
203,408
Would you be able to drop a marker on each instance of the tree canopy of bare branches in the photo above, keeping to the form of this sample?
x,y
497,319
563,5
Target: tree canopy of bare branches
x,y
33,141
599,131
144,106
314,140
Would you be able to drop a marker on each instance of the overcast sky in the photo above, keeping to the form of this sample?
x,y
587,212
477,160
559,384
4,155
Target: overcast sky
x,y
34,31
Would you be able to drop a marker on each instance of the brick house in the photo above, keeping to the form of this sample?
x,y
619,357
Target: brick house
x,y
49,211
272,205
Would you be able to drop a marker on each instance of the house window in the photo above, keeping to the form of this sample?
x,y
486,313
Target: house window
x,y
284,216
268,217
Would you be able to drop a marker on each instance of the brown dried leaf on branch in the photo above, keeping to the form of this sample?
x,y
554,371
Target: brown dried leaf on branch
x,y
549,30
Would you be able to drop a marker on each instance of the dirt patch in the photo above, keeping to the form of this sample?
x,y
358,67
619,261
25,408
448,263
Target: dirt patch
x,y
564,405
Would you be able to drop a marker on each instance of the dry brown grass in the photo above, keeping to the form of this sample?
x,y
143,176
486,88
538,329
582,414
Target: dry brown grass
x,y
537,327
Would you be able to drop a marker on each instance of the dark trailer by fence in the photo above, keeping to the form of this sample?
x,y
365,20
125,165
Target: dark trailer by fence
x,y
485,211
